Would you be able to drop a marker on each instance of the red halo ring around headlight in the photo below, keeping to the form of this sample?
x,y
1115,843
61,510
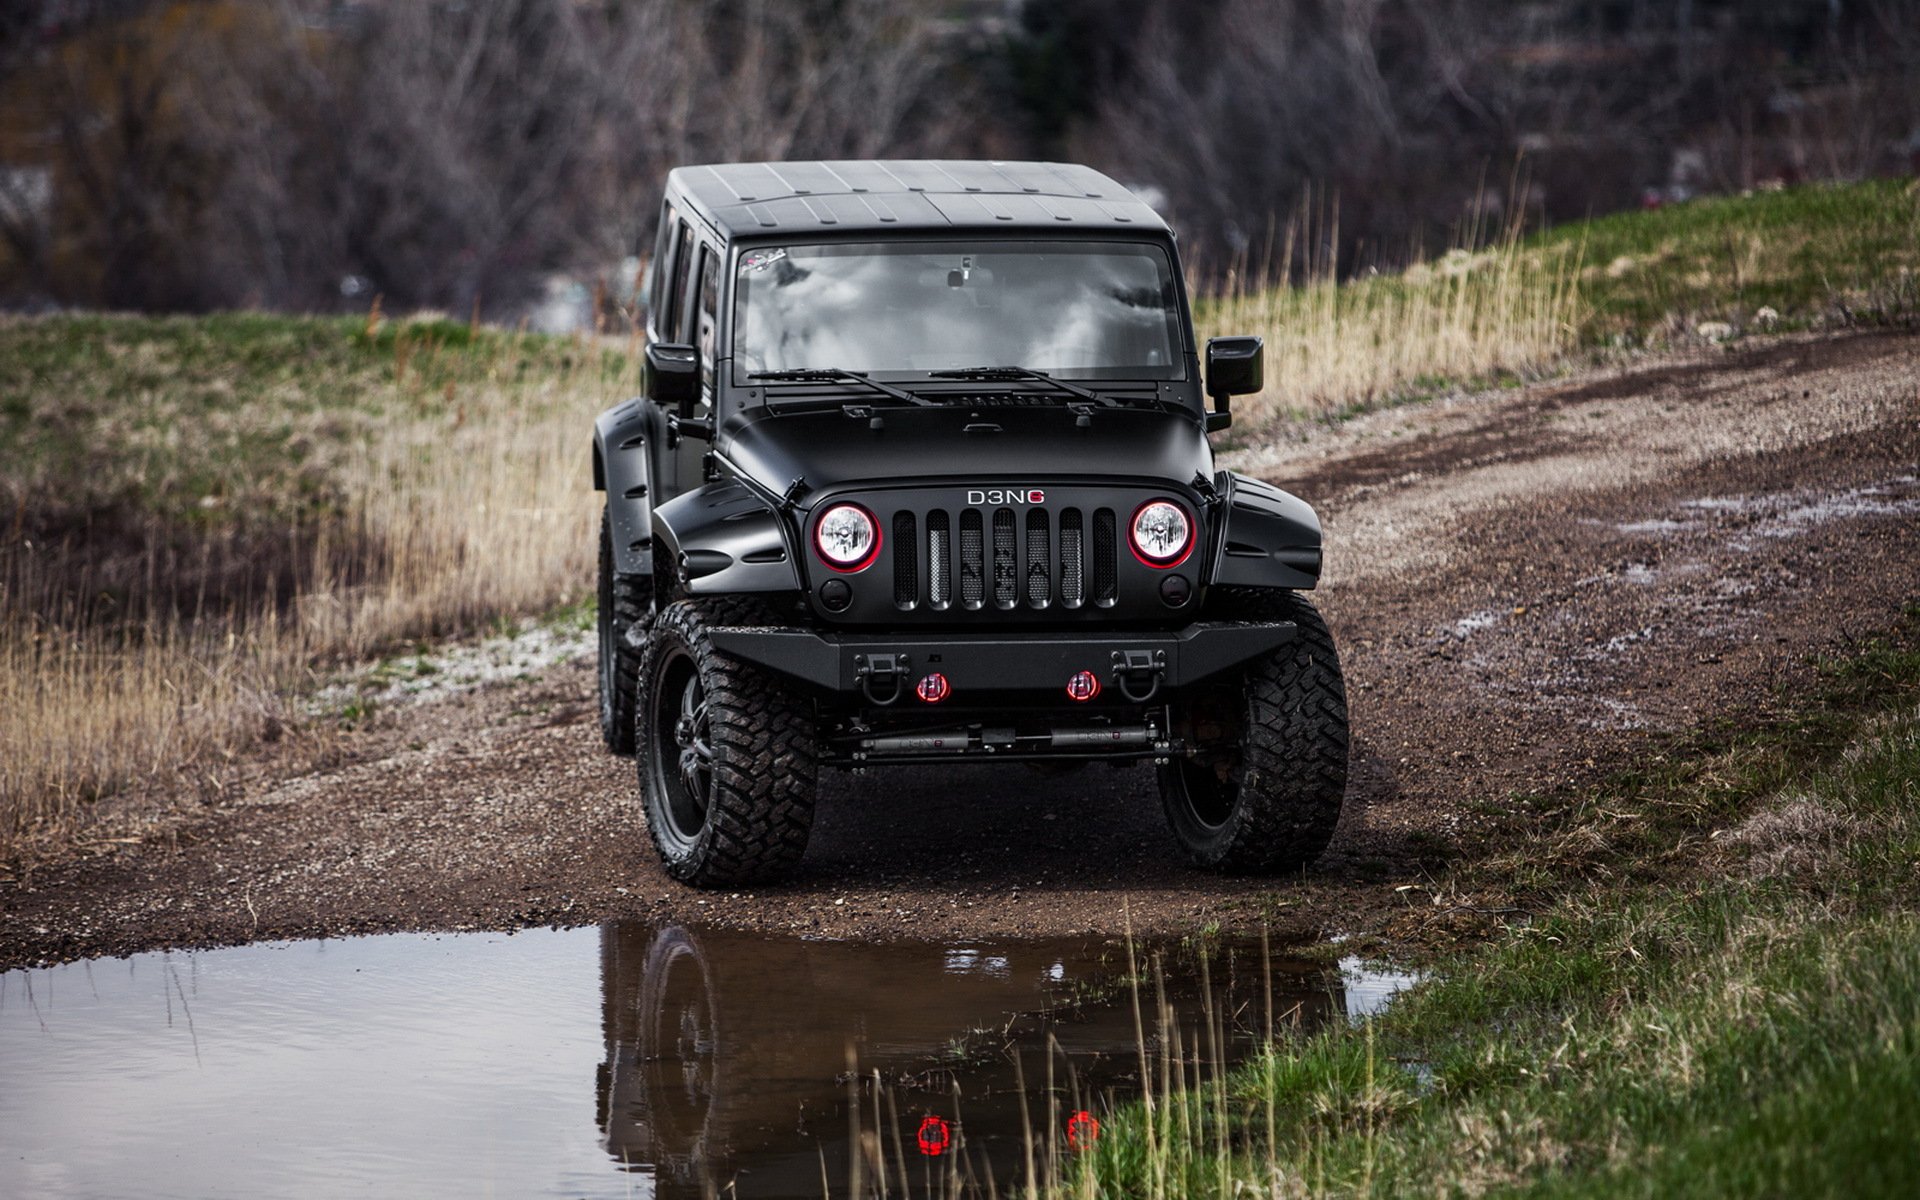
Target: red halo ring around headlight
x,y
872,553
1186,551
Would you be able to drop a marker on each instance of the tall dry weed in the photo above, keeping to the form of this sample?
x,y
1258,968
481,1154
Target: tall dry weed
x,y
1335,345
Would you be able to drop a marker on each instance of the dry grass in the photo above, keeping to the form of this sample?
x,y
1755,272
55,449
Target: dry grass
x,y
1504,309
208,514
87,716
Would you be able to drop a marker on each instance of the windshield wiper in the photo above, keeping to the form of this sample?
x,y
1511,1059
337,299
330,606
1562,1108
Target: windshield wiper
x,y
1072,389
836,375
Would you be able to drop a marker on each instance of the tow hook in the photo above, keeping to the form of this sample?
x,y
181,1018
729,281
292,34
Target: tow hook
x,y
1137,673
887,672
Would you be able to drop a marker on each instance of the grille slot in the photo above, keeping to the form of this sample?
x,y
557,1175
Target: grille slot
x,y
1039,559
973,589
1106,569
1004,592
906,562
1073,584
939,556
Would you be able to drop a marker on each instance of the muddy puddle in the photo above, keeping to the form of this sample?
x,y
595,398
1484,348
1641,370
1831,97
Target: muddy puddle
x,y
624,1060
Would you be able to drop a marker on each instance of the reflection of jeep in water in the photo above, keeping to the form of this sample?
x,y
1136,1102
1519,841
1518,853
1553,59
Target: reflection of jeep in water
x,y
726,1053
921,476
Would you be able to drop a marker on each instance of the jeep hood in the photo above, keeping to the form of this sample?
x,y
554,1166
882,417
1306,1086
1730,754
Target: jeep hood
x,y
1007,447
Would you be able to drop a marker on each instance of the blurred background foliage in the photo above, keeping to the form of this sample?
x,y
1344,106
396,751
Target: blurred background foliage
x,y
486,158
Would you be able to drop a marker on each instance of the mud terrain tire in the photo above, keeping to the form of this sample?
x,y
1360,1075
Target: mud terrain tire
x,y
1270,807
625,602
725,754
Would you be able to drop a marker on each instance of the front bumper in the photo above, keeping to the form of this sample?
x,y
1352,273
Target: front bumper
x,y
885,667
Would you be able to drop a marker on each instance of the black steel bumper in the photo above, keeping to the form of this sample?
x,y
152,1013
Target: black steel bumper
x,y
884,667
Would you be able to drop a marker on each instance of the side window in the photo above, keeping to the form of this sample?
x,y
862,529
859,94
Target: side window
x,y
660,274
673,318
709,306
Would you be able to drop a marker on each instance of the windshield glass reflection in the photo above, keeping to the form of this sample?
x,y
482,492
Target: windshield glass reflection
x,y
1085,310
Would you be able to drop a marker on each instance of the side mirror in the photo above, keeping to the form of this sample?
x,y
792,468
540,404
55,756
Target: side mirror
x,y
1236,366
671,377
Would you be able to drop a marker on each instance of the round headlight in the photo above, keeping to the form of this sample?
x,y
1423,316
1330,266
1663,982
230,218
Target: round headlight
x,y
846,537
1162,535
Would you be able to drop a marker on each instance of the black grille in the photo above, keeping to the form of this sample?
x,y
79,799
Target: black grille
x,y
1027,567
973,590
1073,583
939,560
1003,573
1039,559
906,564
1106,569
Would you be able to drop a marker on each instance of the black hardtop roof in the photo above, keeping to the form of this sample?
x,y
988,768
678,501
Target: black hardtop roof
x,y
918,195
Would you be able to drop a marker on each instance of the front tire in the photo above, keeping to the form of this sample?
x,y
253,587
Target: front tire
x,y
1268,804
726,757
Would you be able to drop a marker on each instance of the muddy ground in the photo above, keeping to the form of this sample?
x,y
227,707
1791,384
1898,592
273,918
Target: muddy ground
x,y
1530,587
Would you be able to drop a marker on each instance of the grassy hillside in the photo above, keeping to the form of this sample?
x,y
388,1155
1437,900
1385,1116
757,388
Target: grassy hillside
x,y
203,511
1818,257
1826,256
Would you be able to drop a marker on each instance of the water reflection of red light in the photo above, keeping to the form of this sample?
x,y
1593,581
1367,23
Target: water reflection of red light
x,y
934,1137
1083,1130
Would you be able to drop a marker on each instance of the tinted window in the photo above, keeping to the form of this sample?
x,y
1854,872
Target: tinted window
x,y
708,305
1088,310
673,319
660,273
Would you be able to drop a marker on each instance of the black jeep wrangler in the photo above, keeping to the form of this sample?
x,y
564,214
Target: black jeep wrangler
x,y
921,476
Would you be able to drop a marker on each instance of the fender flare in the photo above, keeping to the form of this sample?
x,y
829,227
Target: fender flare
x,y
623,441
1268,539
724,538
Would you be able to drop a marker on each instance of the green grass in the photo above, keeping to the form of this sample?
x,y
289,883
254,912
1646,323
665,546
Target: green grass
x,y
1818,255
1737,1014
1822,256
239,417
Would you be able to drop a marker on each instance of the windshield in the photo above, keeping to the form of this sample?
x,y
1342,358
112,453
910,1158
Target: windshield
x,y
1077,310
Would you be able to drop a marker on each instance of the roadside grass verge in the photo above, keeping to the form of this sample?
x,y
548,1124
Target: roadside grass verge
x,y
1506,308
199,514
1741,1017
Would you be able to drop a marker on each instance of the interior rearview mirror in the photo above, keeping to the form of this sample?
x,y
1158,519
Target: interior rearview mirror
x,y
671,377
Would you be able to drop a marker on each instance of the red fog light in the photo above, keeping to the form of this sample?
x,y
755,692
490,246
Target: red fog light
x,y
1084,686
933,1137
934,688
1083,1130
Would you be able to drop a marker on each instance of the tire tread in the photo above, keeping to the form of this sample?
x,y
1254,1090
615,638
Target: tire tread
x,y
1292,773
766,765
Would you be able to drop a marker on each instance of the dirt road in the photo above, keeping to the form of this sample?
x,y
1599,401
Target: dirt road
x,y
1529,587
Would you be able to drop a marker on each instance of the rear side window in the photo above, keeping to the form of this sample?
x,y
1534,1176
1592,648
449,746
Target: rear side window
x,y
709,306
673,318
661,273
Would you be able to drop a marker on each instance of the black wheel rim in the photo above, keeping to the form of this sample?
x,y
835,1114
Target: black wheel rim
x,y
1209,801
679,1045
682,746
